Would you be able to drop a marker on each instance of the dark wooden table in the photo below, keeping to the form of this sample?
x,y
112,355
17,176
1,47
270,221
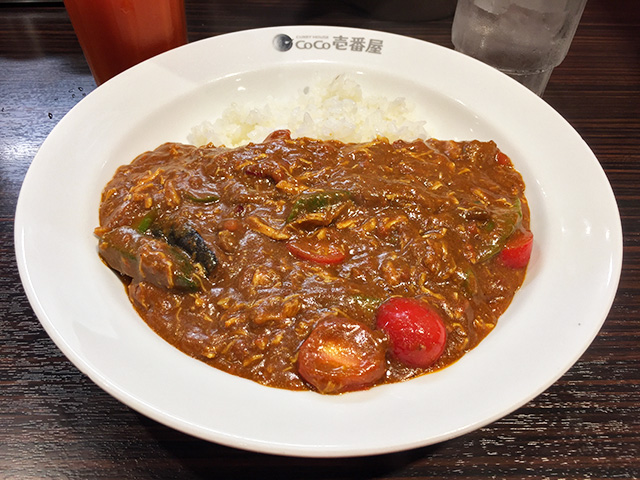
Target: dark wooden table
x,y
55,423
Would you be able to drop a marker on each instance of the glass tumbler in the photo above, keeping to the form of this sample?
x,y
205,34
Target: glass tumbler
x,y
117,34
526,39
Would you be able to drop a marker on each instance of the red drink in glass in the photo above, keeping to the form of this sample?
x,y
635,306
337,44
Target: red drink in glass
x,y
117,34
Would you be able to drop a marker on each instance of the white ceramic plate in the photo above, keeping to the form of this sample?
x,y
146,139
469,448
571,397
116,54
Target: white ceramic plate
x,y
568,292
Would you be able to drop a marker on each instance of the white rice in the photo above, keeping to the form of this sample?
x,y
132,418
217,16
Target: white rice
x,y
329,109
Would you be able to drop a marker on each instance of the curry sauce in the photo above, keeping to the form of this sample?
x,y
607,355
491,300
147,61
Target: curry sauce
x,y
235,256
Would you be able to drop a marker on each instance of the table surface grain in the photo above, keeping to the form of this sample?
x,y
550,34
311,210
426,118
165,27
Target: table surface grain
x,y
55,423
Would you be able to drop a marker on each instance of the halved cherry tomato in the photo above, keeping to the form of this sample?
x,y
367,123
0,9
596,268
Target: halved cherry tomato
x,y
341,355
517,251
316,251
417,333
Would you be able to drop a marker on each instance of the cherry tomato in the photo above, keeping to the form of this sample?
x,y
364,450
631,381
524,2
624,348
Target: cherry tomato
x,y
502,159
517,251
417,333
319,252
341,355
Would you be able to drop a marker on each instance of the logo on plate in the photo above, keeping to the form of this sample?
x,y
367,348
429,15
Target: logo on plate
x,y
282,42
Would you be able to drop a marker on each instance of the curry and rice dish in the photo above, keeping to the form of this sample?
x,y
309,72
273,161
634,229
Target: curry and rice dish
x,y
319,265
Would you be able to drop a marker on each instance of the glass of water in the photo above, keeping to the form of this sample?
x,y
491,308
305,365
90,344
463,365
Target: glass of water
x,y
526,39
